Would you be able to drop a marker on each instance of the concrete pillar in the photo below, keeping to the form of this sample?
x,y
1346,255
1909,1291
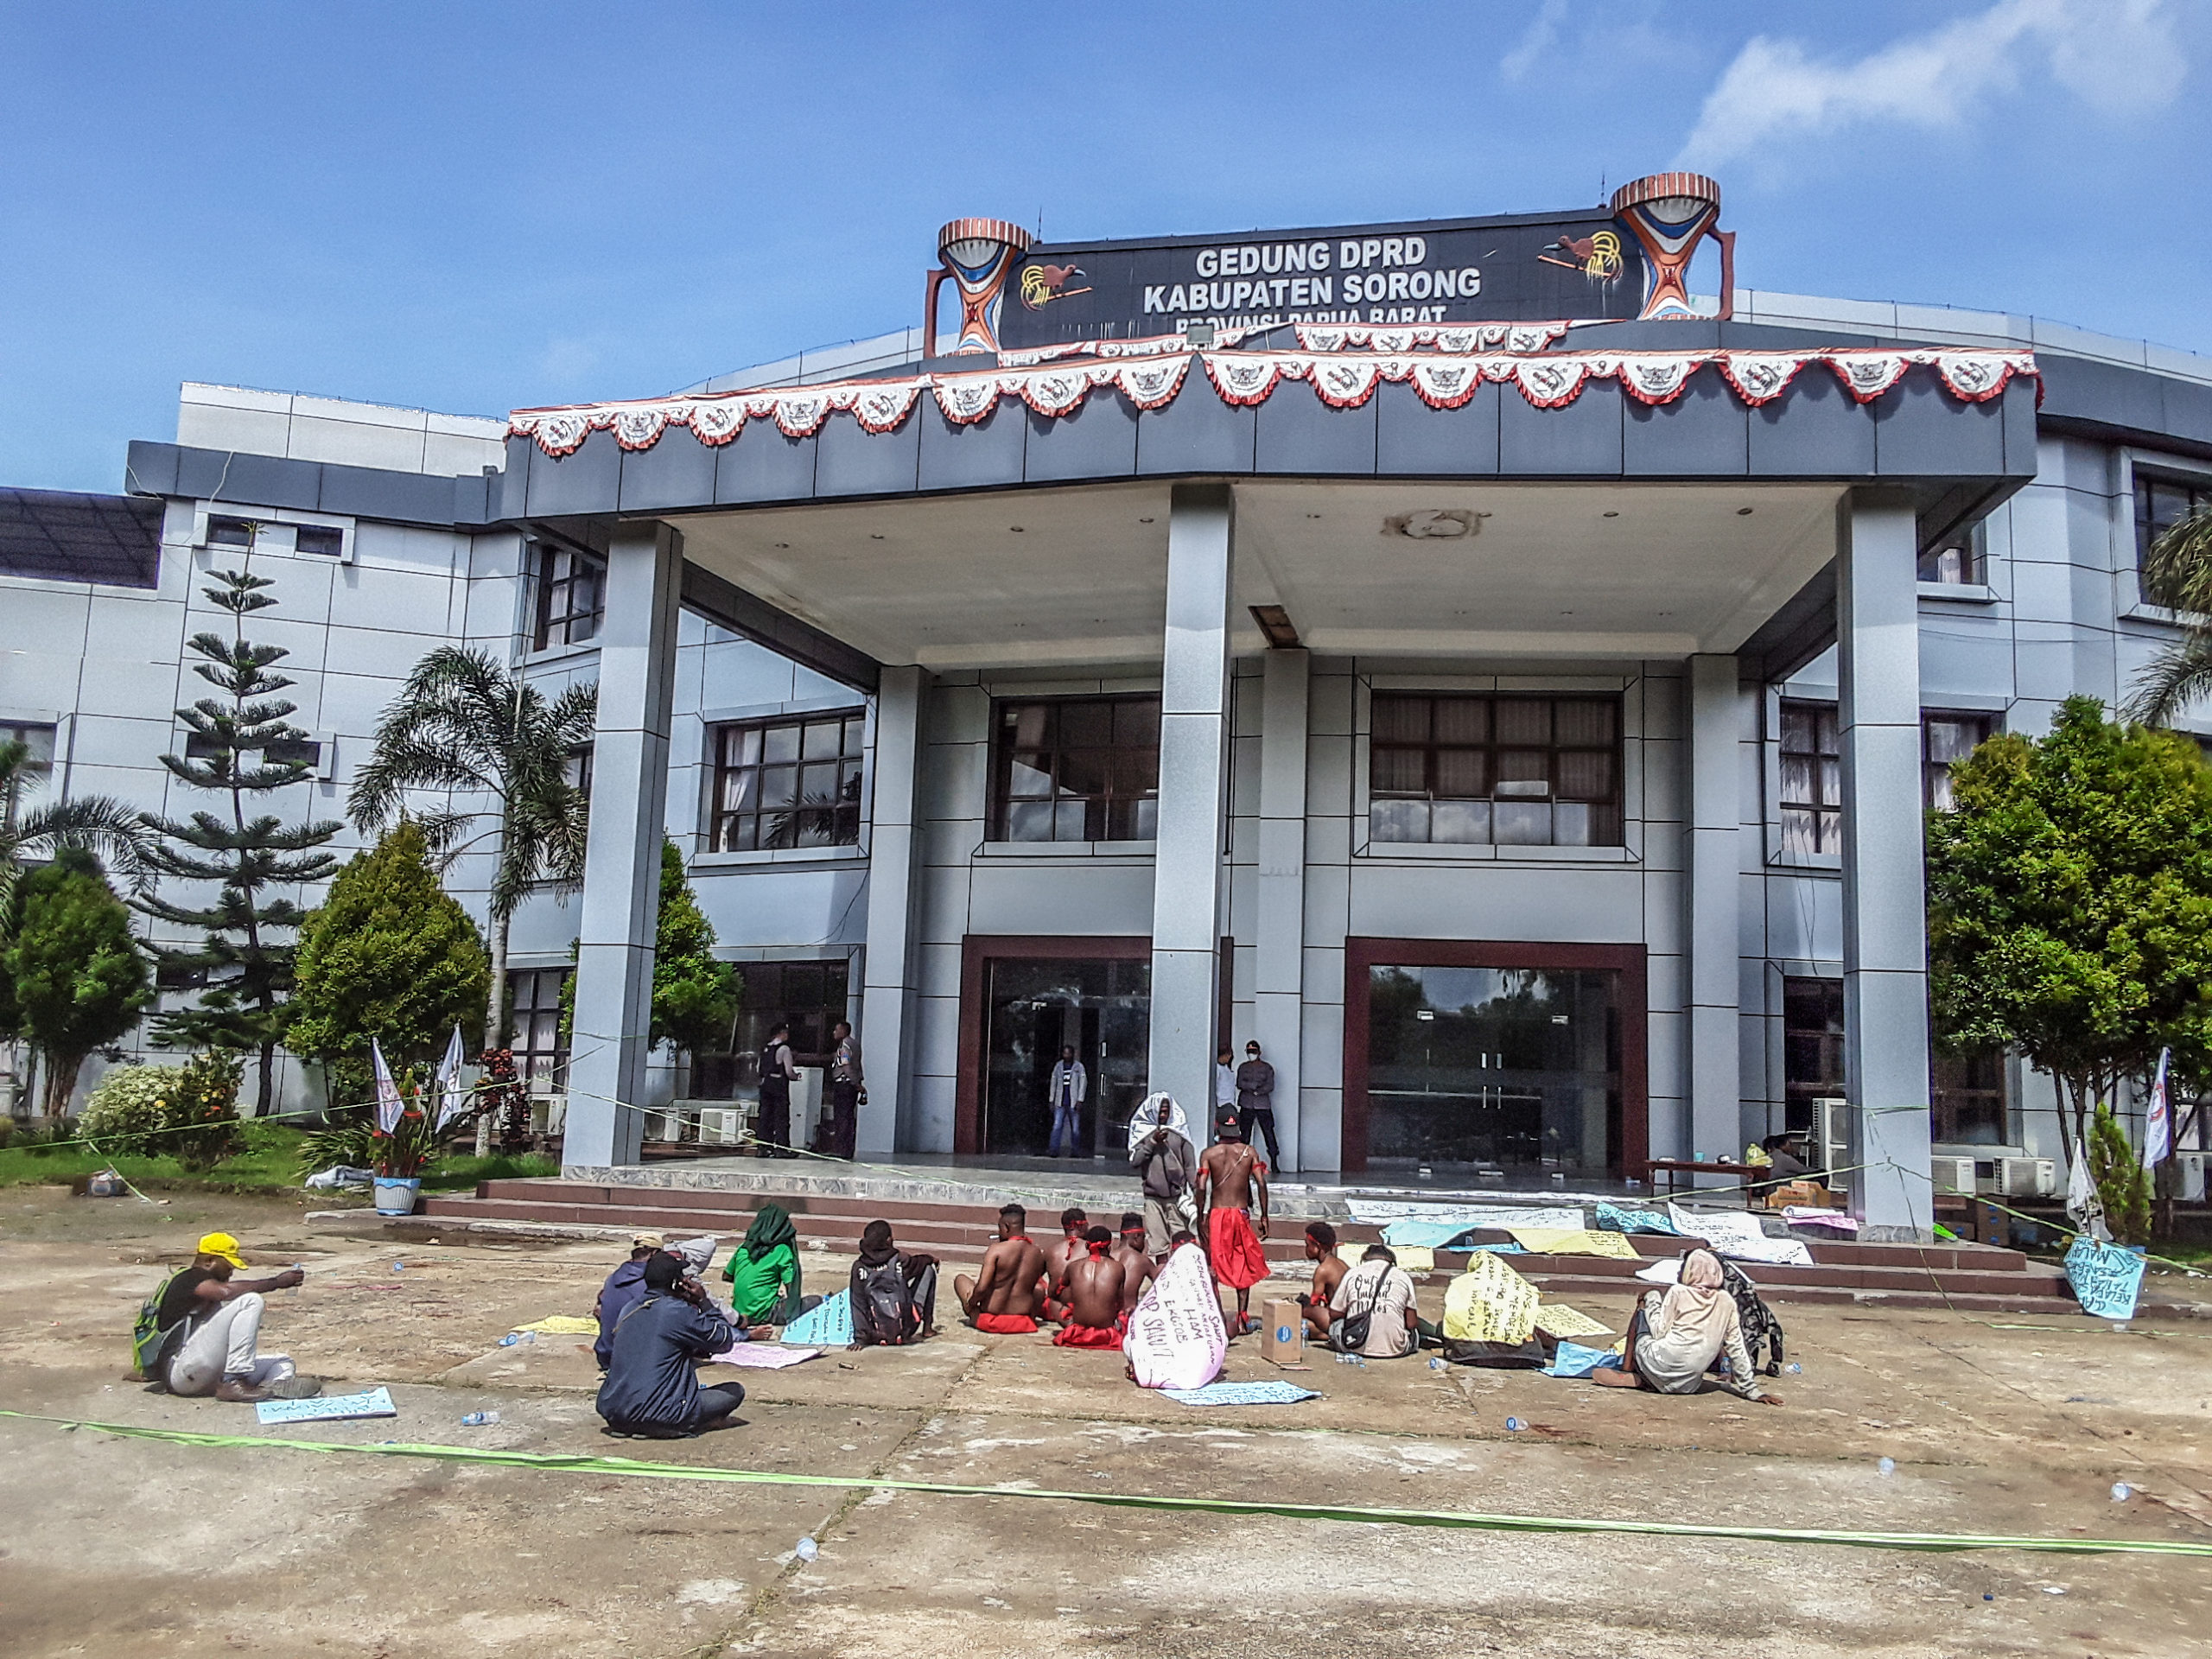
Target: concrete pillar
x,y
1885,903
629,799
1278,956
1712,892
1193,769
888,981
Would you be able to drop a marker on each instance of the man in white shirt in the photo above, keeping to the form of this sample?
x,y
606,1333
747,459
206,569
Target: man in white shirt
x,y
1224,1079
1381,1288
1065,1092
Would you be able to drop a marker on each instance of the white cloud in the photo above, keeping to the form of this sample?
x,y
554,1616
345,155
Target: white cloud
x,y
2119,56
1540,35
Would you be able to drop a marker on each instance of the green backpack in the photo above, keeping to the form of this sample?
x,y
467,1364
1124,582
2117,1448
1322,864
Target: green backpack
x,y
151,1341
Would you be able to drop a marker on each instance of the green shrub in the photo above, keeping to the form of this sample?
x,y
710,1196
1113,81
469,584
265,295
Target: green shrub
x,y
129,1108
186,1112
203,1112
2122,1186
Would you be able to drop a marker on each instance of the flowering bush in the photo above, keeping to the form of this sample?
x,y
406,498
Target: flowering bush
x,y
186,1112
130,1109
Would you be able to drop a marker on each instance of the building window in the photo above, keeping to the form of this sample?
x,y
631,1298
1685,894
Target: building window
x,y
788,783
2160,504
571,596
809,996
1946,738
230,532
576,771
1077,769
1508,770
1812,778
1961,561
1966,1098
541,1058
1812,1047
324,541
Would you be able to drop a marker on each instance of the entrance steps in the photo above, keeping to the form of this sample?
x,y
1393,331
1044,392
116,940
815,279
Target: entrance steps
x,y
955,1222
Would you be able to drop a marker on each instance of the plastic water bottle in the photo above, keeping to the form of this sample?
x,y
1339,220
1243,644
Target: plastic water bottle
x,y
1514,1425
1887,1466
479,1418
1794,1369
399,1267
808,1549
2121,1491
1435,1364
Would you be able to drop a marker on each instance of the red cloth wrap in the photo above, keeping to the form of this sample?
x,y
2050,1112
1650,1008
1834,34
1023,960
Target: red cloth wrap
x,y
1238,1261
1088,1335
1006,1324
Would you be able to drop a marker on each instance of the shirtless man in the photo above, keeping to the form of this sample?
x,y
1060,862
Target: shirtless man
x,y
1228,1172
1095,1284
1006,1293
1138,1269
1329,1270
1060,1257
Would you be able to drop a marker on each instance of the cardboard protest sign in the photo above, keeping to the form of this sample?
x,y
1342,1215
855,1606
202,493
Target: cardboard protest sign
x,y
1558,1320
1176,1338
1489,1302
2106,1278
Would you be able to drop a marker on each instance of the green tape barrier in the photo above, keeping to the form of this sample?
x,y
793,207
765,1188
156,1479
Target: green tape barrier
x,y
636,1468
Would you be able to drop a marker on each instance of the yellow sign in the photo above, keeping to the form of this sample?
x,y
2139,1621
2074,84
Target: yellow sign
x,y
1558,1320
1573,1240
1489,1302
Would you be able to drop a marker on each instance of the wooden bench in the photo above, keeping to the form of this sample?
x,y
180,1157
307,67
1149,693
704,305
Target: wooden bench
x,y
1675,1166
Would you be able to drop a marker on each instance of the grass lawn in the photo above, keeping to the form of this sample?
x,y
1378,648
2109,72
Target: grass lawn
x,y
271,1161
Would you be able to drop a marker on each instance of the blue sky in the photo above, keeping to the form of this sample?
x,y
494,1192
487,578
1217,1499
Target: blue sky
x,y
474,207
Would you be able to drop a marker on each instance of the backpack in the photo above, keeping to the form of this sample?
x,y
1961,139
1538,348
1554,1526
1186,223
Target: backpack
x,y
151,1341
883,1304
1761,1328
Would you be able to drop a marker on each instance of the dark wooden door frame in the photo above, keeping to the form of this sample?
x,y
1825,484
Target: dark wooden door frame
x,y
1362,955
978,951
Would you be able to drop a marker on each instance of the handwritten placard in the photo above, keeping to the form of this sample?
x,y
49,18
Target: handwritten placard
x,y
2106,1278
1489,1302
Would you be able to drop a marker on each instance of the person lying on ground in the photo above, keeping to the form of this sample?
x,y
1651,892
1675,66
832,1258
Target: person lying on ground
x,y
1137,1269
1095,1284
1329,1268
1675,1337
1228,1176
763,1272
1007,1290
1161,1154
1379,1294
624,1289
208,1332
893,1295
1058,1258
651,1390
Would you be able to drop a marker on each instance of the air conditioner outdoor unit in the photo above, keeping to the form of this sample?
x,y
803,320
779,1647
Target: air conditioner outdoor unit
x,y
2028,1178
2191,1165
1831,1149
1952,1174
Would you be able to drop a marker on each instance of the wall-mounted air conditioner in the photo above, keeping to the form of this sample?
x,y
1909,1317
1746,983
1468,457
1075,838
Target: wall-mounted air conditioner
x,y
2028,1178
2191,1165
1952,1174
1831,1147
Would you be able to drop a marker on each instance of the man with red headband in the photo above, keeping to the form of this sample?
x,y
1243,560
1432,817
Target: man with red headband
x,y
1094,1286
1228,1173
1138,1269
1004,1295
1061,1255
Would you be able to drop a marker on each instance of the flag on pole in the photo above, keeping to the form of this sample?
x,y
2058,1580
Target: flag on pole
x,y
2081,1204
453,1099
2159,1121
389,1105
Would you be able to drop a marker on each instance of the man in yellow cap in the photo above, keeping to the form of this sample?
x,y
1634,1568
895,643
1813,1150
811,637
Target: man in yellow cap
x,y
211,1326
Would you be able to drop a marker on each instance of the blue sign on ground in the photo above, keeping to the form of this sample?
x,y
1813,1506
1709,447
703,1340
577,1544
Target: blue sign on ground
x,y
2106,1278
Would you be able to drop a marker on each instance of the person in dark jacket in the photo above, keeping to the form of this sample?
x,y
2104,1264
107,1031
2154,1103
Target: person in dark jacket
x,y
893,1295
651,1390
624,1289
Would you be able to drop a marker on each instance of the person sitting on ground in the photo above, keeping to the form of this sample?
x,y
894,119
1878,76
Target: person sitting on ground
x,y
651,1390
1675,1336
1095,1286
1228,1173
1379,1294
763,1272
206,1331
1008,1289
1058,1258
624,1289
1161,1154
1329,1268
1137,1269
893,1295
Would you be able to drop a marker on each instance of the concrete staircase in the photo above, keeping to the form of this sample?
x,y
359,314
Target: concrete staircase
x,y
1979,1278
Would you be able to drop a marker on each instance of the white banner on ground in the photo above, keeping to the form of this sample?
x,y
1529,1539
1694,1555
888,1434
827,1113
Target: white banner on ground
x,y
1377,1213
1176,1338
1740,1237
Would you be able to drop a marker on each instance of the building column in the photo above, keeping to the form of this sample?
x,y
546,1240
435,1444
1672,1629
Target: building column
x,y
1193,767
1713,926
1279,956
629,804
1884,902
887,981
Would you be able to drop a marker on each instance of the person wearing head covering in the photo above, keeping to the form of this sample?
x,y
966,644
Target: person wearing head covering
x,y
1676,1336
1230,1175
763,1271
208,1329
650,1387
1161,1154
624,1289
893,1295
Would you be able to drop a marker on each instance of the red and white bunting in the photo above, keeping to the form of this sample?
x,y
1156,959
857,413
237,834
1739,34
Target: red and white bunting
x,y
1456,338
1343,379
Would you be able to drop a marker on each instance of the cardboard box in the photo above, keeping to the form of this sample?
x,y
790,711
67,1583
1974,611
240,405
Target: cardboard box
x,y
1282,1333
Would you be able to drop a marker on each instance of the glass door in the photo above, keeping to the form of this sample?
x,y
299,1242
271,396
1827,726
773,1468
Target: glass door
x,y
1101,1009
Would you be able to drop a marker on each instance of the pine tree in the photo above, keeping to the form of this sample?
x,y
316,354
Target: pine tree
x,y
695,997
244,949
78,978
388,955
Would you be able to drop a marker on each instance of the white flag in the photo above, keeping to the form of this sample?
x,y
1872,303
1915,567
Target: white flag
x,y
2158,1122
2082,1203
389,1106
453,1099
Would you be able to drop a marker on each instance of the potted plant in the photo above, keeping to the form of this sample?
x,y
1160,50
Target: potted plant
x,y
399,1154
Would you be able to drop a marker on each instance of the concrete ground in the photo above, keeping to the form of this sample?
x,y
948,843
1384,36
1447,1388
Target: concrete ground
x,y
116,1546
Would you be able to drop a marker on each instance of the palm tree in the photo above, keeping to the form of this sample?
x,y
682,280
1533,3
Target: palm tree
x,y
2177,574
464,725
